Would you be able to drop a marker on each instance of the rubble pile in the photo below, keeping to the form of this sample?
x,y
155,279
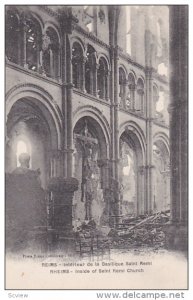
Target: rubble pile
x,y
91,240
146,230
133,232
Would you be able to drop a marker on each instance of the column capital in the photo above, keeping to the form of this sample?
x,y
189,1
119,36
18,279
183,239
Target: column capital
x,y
149,72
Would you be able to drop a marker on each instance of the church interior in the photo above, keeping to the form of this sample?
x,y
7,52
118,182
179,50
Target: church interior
x,y
96,97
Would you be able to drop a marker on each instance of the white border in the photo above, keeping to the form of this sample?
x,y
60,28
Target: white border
x,y
86,294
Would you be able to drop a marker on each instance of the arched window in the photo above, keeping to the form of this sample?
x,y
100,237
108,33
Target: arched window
x,y
130,100
77,59
22,147
122,87
12,37
102,79
90,71
50,53
33,43
128,177
139,102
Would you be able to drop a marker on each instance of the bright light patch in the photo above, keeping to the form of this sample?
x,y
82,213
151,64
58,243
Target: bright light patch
x,y
21,148
162,69
90,27
160,102
126,170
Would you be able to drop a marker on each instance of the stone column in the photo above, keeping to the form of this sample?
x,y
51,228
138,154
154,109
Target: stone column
x,y
95,91
52,71
64,53
107,87
23,28
178,109
68,123
82,75
140,193
61,191
149,149
115,135
56,163
132,91
116,96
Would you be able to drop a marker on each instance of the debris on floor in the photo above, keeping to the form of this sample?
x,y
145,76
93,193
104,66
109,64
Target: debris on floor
x,y
132,232
141,231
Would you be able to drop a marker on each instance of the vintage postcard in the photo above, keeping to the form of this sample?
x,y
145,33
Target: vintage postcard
x,y
96,150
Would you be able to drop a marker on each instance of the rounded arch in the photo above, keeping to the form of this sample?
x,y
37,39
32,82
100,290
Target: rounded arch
x,y
140,82
50,24
44,102
95,114
122,82
163,138
131,168
51,53
132,74
137,134
103,78
105,57
92,45
122,66
12,45
76,39
34,16
14,11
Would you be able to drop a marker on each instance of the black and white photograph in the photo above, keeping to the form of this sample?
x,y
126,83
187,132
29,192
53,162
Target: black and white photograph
x,y
96,147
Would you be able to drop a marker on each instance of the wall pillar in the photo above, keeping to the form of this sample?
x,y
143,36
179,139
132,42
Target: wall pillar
x,y
178,110
149,145
96,81
83,62
60,207
107,87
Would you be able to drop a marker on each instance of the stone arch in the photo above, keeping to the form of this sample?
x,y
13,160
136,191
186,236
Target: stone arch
x,y
122,86
132,143
95,114
161,136
55,27
12,45
133,74
36,17
90,167
121,65
76,39
33,118
45,103
77,53
90,70
104,56
51,52
141,79
140,92
137,131
103,78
